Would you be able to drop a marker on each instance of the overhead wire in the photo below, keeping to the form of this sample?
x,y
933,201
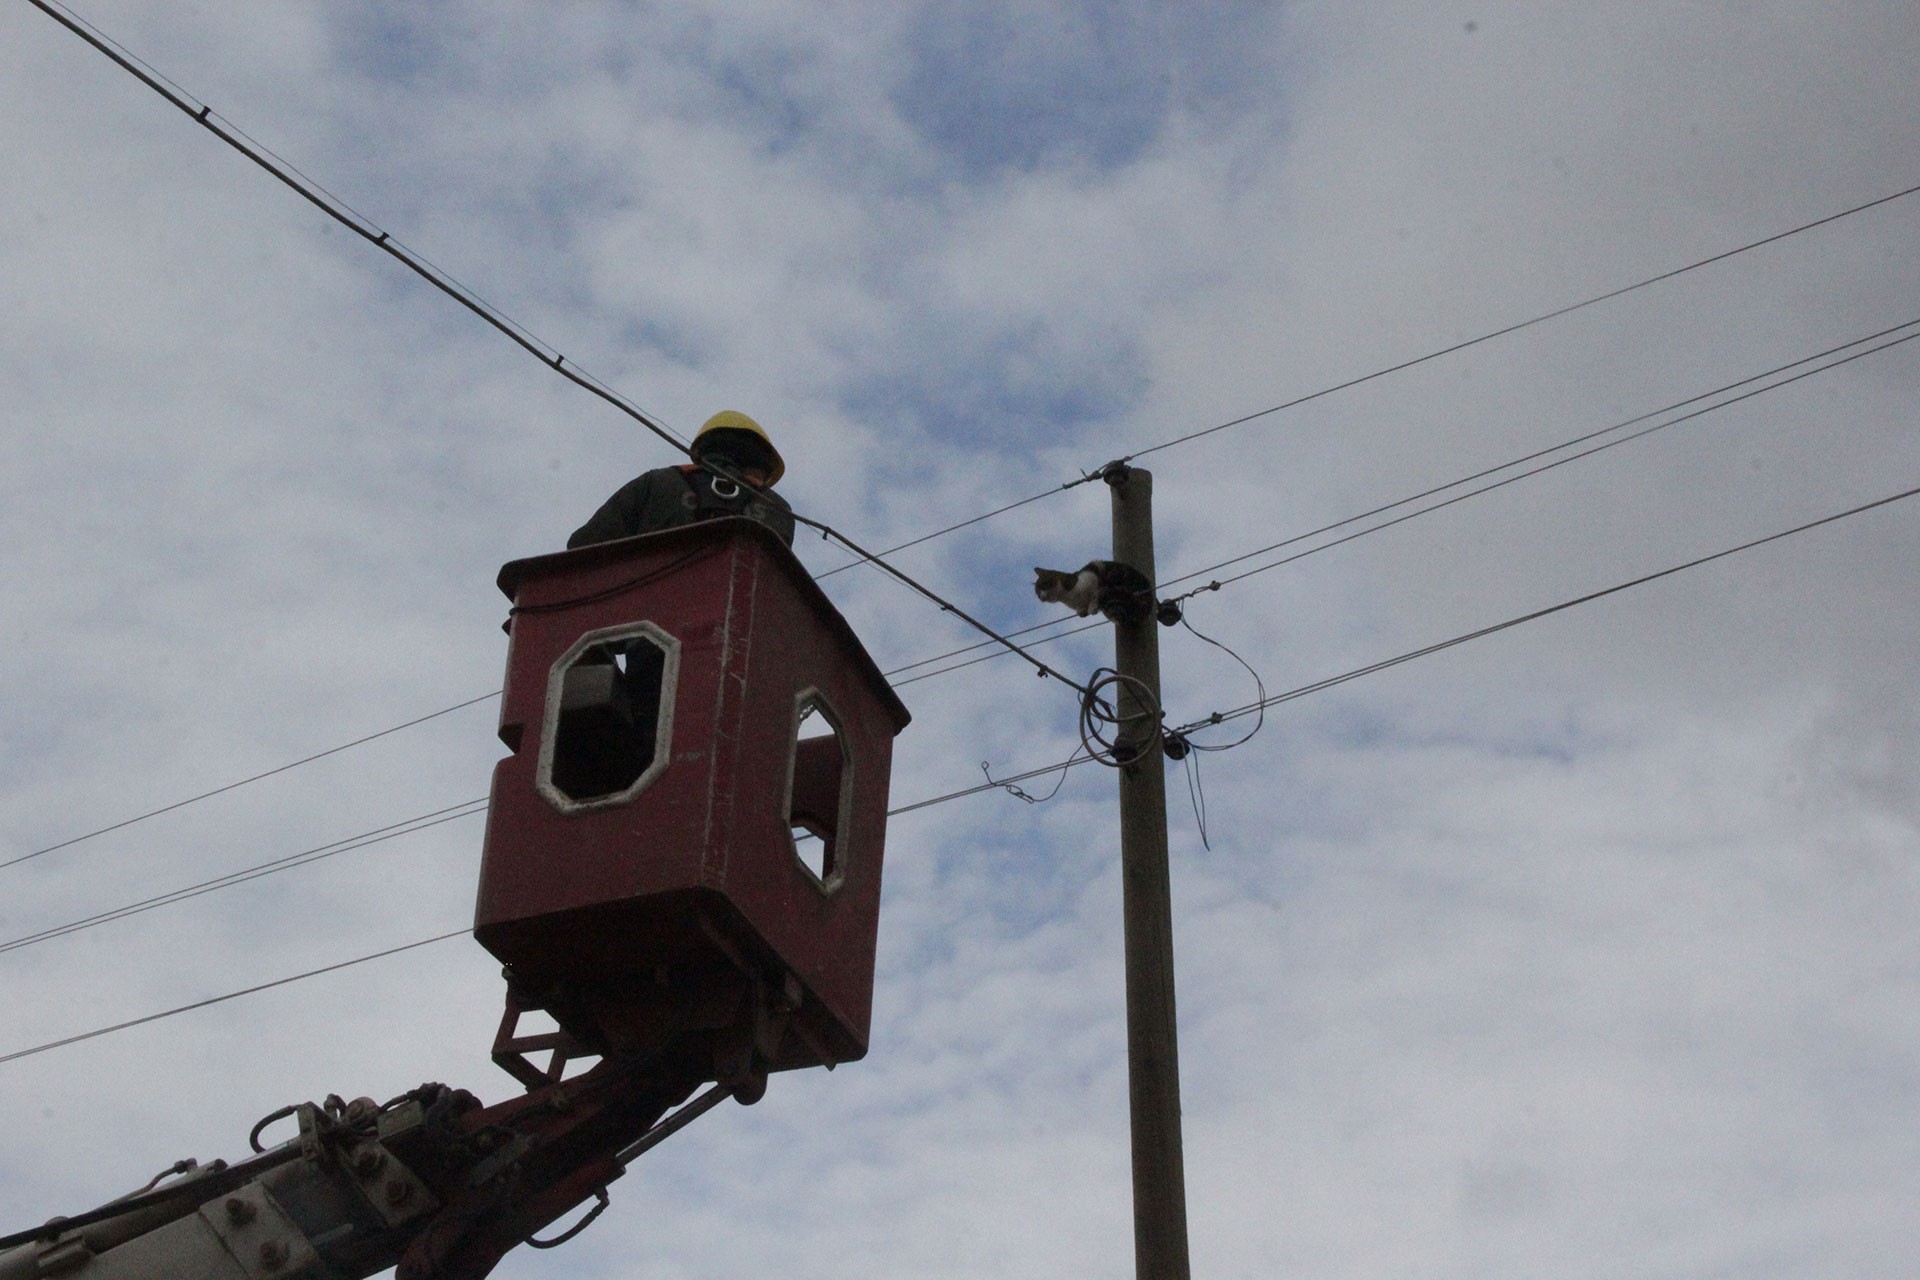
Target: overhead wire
x,y
947,606
378,835
1482,474
1542,318
1559,462
17,1054
1260,706
307,857
341,211
265,773
1403,365
337,208
344,213
546,353
390,951
1216,718
1336,525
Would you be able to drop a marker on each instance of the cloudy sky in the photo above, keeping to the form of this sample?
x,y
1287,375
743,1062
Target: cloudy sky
x,y
1584,949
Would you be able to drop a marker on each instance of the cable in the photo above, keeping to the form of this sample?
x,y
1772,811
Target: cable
x,y
1093,743
323,200
1216,718
1566,444
997,784
1187,577
205,795
1221,583
231,995
1019,793
360,225
338,209
1130,739
344,214
1404,365
954,528
1068,763
378,835
1188,747
1317,686
1071,761
1539,319
945,605
1463,480
319,755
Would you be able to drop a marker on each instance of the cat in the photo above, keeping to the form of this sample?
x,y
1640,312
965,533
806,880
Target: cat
x,y
1117,590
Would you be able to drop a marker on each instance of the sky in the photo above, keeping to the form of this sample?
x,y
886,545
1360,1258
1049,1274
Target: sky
x,y
1586,948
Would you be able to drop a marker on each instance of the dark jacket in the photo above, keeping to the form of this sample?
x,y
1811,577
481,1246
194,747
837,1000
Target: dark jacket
x,y
672,496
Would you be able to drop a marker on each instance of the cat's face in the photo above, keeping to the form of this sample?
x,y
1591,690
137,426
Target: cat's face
x,y
1051,585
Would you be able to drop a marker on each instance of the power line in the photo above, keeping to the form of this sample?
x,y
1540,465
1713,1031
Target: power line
x,y
1539,319
1318,686
314,973
1032,644
231,995
1070,762
268,773
475,806
306,857
946,606
350,218
338,209
1404,365
325,201
547,354
1469,479
1558,462
1187,577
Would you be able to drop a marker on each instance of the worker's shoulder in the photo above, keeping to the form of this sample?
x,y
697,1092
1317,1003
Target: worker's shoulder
x,y
667,477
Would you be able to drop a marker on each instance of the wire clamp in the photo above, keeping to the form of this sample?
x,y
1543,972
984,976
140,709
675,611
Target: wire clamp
x,y
1010,788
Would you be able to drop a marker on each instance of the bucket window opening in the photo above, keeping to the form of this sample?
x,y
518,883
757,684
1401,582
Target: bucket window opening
x,y
820,794
613,704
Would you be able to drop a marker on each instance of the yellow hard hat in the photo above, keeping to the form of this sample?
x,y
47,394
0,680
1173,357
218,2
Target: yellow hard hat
x,y
730,420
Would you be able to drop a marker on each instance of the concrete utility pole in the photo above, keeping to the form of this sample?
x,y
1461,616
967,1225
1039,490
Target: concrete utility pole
x,y
1153,1050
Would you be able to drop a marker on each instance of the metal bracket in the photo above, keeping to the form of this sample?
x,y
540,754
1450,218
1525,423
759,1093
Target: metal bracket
x,y
510,1049
259,1235
394,1191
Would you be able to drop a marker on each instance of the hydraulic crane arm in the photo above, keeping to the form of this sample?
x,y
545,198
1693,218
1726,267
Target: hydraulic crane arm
x,y
431,1182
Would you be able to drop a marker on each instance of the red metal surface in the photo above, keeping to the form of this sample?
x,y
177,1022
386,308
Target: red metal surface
x,y
639,907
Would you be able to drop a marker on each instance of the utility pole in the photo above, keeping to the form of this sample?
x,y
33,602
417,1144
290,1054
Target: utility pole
x,y
1153,1050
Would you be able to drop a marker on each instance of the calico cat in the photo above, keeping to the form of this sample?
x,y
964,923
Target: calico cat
x,y
1116,590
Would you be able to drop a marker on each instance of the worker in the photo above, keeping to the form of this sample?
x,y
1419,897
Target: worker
x,y
669,497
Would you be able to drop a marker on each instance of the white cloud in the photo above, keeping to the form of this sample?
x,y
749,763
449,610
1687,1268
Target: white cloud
x,y
1580,950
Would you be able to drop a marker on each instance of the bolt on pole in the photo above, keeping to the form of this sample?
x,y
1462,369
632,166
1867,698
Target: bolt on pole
x,y
1153,1051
